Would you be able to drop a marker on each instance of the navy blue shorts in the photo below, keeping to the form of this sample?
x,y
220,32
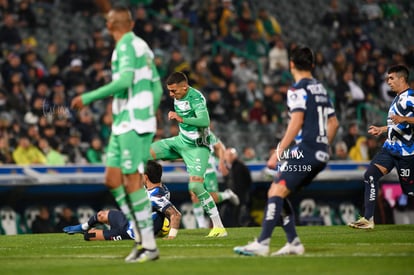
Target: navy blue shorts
x,y
404,166
301,168
119,226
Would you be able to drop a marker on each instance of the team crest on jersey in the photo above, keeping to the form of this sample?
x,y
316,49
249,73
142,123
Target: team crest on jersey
x,y
183,105
293,96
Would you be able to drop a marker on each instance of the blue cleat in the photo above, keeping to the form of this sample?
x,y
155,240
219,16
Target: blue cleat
x,y
73,229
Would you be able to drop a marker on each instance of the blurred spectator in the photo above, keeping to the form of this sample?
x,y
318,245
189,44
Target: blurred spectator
x,y
178,63
257,112
348,95
324,70
105,127
333,18
97,74
66,218
278,57
86,125
359,152
271,102
249,154
239,180
373,146
257,46
351,135
209,28
75,73
95,153
42,223
220,70
371,11
227,17
216,106
16,100
267,25
341,151
242,73
252,93
70,53
25,15
245,20
9,33
26,153
51,54
200,77
14,66
72,148
5,154
53,156
236,102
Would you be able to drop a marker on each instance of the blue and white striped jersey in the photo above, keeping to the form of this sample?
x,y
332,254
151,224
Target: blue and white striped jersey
x,y
160,200
400,139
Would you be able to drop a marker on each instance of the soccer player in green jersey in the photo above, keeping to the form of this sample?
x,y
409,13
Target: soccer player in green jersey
x,y
136,91
191,144
211,184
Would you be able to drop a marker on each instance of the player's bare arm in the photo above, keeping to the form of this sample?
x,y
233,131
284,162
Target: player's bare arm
x,y
219,150
332,128
175,218
377,130
402,119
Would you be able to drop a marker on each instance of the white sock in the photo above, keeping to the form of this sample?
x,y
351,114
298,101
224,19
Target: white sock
x,y
199,215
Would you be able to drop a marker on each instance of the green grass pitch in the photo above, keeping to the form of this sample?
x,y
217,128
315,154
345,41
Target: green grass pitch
x,y
388,249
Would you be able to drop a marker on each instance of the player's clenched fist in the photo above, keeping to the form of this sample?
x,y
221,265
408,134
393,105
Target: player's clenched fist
x,y
173,115
77,103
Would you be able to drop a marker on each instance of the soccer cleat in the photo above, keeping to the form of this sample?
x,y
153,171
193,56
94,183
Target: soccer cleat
x,y
143,255
252,249
293,248
134,252
362,223
233,198
73,229
217,232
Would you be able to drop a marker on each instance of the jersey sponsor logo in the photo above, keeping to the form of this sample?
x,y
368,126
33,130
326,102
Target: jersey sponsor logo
x,y
127,164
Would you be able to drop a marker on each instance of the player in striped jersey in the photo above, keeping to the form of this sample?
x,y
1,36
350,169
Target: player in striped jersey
x,y
191,144
136,91
313,125
398,148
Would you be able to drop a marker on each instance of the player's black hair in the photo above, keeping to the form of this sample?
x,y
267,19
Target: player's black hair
x,y
124,9
176,77
303,58
400,70
154,171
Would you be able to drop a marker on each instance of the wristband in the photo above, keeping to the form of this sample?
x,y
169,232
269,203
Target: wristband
x,y
173,232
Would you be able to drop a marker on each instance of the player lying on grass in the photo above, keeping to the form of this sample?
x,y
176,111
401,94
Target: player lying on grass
x,y
120,227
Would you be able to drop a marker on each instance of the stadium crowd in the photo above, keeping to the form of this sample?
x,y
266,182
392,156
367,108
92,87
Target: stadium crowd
x,y
37,83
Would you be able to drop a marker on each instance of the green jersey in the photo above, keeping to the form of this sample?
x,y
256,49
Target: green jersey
x,y
133,108
135,86
196,121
